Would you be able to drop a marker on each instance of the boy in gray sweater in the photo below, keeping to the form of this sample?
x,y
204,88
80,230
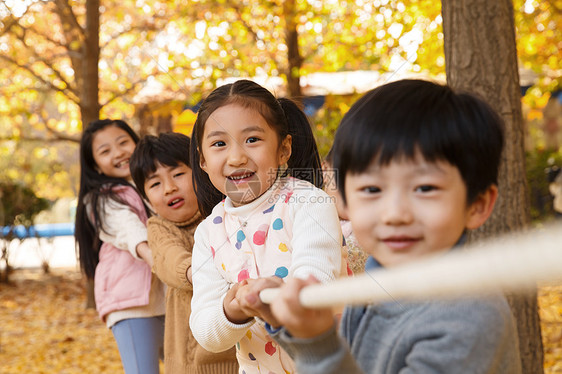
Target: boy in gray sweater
x,y
418,166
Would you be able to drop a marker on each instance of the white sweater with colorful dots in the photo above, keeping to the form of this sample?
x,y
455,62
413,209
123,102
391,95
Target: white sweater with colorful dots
x,y
291,230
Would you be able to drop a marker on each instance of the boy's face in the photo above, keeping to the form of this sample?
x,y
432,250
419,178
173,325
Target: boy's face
x,y
170,192
411,208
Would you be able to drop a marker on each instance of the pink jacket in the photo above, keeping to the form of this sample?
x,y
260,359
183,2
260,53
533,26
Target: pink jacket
x,y
121,281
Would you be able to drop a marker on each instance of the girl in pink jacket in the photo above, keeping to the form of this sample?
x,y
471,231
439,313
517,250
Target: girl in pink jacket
x,y
111,234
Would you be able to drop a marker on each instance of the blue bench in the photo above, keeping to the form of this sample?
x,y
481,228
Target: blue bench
x,y
44,230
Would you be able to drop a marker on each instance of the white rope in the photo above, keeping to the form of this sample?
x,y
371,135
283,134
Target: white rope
x,y
512,263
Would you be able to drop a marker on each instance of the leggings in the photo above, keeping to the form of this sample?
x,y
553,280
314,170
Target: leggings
x,y
140,342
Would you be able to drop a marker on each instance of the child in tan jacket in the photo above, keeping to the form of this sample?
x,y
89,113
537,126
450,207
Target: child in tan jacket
x,y
161,171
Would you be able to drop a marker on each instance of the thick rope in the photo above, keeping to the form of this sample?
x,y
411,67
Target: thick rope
x,y
512,263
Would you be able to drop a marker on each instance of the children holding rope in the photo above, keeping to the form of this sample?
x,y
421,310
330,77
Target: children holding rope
x,y
418,165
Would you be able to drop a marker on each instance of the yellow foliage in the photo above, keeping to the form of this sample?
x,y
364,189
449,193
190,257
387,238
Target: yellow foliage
x,y
186,118
184,129
343,107
534,114
550,311
541,101
185,121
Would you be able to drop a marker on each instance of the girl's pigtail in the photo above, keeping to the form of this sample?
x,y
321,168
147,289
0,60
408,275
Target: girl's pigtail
x,y
207,195
88,244
305,160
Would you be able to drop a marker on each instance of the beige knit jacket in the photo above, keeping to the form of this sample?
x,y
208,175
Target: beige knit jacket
x,y
171,244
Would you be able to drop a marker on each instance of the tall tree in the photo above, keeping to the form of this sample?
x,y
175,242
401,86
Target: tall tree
x,y
292,38
61,56
89,98
56,47
481,57
294,58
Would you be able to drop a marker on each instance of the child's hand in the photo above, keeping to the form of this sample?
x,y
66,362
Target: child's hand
x,y
301,322
232,308
249,299
144,252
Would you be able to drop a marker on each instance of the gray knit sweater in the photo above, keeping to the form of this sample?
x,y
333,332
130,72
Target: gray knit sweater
x,y
466,336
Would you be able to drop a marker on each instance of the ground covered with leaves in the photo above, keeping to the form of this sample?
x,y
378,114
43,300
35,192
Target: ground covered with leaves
x,y
44,328
550,310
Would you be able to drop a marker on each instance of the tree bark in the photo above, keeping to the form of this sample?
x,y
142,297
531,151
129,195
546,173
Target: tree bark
x,y
481,57
89,94
82,44
295,60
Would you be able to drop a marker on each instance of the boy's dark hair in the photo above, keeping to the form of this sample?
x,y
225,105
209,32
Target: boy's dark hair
x,y
94,185
397,119
167,149
283,115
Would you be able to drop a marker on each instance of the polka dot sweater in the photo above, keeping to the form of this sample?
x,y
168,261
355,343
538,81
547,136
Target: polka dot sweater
x,y
292,230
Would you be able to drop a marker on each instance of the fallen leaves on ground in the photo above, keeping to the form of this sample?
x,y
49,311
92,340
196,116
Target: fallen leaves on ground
x,y
44,328
550,311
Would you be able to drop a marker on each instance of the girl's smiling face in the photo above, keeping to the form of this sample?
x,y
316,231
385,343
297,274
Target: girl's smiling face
x,y
112,148
241,153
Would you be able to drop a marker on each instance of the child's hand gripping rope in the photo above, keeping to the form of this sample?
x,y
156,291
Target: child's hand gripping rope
x,y
510,263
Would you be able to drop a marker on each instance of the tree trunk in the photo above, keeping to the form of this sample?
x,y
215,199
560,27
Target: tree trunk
x,y
83,45
89,93
89,96
481,57
294,62
90,296
83,42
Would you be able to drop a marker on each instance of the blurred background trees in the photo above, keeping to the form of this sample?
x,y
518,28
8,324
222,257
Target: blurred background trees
x,y
66,62
18,207
157,59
